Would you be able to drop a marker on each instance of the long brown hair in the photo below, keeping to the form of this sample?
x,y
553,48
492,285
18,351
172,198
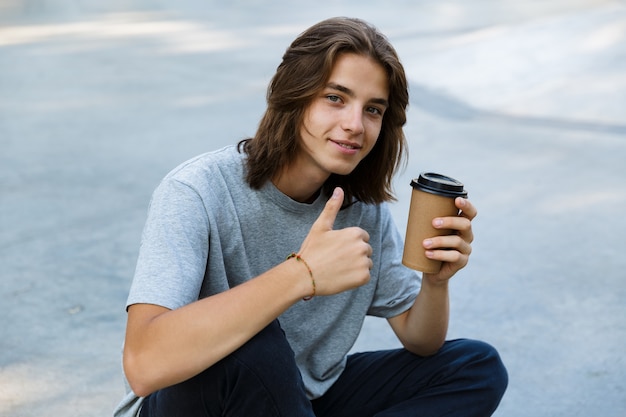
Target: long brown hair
x,y
303,72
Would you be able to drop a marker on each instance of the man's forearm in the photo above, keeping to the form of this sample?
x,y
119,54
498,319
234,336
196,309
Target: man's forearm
x,y
423,328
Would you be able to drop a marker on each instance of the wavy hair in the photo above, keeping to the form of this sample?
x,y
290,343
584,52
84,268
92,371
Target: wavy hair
x,y
302,74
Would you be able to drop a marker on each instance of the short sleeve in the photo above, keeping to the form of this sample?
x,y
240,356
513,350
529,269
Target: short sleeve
x,y
397,285
174,246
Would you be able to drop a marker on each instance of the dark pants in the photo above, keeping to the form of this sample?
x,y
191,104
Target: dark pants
x,y
465,378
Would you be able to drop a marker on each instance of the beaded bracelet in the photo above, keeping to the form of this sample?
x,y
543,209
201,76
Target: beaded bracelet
x,y
308,268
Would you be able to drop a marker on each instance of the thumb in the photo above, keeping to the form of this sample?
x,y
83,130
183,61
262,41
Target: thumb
x,y
327,217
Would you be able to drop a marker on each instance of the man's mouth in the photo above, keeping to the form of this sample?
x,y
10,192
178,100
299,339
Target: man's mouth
x,y
346,145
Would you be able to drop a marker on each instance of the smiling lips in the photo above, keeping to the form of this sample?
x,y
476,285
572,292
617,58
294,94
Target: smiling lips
x,y
347,145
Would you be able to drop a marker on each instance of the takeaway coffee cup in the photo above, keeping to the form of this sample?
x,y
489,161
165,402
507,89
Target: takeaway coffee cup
x,y
432,196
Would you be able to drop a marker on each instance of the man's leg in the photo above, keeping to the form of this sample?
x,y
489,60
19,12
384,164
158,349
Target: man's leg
x,y
465,378
259,379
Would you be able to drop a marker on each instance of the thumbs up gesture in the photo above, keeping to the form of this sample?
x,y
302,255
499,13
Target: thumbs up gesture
x,y
339,259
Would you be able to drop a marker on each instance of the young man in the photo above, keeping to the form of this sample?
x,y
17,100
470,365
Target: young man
x,y
259,262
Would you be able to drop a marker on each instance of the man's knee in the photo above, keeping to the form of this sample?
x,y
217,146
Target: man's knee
x,y
267,353
483,366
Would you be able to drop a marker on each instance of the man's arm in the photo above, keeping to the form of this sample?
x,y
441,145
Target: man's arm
x,y
164,347
422,329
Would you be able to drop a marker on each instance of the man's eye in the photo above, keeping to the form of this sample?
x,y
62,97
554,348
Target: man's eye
x,y
374,110
333,98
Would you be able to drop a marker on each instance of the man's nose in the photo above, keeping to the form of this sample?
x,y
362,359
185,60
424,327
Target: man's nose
x,y
353,120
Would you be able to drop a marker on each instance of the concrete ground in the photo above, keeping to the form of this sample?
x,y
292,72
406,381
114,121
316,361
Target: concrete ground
x,y
523,101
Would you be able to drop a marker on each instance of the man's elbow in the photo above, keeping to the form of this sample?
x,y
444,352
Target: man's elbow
x,y
137,378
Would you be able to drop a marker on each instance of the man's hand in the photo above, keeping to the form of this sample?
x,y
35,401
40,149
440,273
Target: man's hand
x,y
339,259
454,250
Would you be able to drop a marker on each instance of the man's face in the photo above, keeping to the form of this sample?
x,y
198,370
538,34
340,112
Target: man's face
x,y
342,123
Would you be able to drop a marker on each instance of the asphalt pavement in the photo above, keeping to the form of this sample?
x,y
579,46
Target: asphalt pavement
x,y
525,102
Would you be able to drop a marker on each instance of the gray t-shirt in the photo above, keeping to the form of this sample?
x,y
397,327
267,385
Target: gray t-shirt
x,y
208,231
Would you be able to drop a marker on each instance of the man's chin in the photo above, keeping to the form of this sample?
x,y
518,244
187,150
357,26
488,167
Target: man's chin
x,y
343,170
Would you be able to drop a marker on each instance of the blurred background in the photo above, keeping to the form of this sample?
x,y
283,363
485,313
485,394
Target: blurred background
x,y
525,102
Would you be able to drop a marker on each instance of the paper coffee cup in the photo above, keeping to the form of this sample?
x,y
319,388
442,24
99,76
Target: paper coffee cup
x,y
432,196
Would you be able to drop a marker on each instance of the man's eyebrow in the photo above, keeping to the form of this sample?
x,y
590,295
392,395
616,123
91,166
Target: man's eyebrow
x,y
349,92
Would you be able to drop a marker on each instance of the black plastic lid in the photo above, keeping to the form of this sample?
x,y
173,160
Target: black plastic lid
x,y
439,184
